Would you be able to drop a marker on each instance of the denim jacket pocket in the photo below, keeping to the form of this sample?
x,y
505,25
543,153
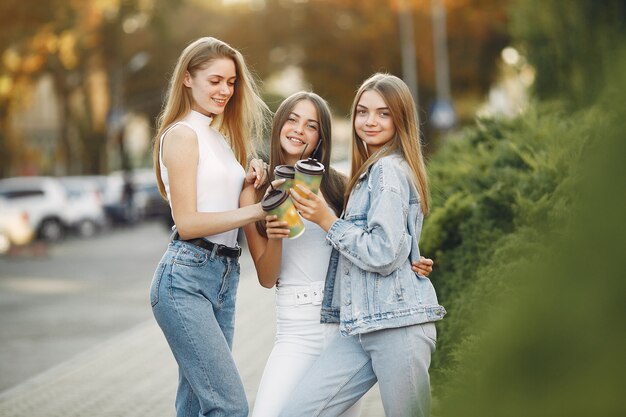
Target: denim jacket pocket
x,y
188,255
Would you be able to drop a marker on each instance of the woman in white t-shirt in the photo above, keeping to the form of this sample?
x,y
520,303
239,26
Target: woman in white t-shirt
x,y
201,148
297,267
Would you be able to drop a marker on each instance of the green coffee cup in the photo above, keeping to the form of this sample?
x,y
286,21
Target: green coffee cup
x,y
308,172
287,173
277,202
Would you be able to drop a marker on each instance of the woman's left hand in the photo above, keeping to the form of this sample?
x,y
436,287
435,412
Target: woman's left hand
x,y
257,173
313,208
424,267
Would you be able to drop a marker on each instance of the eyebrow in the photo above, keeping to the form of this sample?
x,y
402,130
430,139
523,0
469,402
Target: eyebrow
x,y
380,108
297,115
222,77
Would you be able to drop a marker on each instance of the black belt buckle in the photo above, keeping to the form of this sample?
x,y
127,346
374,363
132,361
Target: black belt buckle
x,y
227,250
221,250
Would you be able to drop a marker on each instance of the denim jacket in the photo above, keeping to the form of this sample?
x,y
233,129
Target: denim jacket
x,y
370,285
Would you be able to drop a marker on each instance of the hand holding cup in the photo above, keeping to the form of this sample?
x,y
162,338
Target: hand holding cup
x,y
275,228
277,203
312,207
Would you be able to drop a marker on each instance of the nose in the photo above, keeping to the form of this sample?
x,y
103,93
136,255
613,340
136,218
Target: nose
x,y
224,88
371,120
299,128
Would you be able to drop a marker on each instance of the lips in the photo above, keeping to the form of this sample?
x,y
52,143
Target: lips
x,y
371,132
220,101
295,140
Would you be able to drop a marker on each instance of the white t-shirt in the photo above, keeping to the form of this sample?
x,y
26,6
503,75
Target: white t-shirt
x,y
220,176
305,260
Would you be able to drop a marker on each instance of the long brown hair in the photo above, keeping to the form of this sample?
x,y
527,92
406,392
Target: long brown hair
x,y
333,183
398,98
244,116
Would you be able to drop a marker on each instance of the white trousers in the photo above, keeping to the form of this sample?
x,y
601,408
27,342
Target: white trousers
x,y
300,338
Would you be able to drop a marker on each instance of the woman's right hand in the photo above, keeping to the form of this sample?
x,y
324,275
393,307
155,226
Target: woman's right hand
x,y
276,229
257,173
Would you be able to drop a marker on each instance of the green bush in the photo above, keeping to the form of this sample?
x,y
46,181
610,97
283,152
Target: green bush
x,y
492,186
528,234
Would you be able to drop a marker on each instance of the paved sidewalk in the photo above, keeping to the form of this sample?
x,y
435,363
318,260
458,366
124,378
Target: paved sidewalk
x,y
135,375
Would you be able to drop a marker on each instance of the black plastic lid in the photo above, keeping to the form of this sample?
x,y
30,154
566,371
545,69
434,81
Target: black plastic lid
x,y
310,166
284,171
274,199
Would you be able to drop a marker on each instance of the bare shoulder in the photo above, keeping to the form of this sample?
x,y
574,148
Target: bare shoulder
x,y
179,141
179,135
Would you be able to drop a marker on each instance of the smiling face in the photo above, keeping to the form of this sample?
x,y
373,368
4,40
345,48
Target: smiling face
x,y
373,123
212,86
300,130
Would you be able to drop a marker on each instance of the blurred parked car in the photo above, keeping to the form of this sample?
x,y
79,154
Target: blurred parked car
x,y
15,229
132,196
85,213
118,199
155,206
44,200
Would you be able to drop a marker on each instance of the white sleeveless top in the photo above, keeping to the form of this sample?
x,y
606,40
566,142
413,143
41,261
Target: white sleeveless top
x,y
305,259
219,177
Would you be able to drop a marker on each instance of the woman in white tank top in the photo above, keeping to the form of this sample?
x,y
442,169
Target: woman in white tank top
x,y
297,267
201,149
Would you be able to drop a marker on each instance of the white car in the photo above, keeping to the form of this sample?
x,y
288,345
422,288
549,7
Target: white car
x,y
15,229
85,213
44,200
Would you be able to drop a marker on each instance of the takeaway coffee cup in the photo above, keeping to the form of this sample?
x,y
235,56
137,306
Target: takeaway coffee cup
x,y
308,172
287,173
277,202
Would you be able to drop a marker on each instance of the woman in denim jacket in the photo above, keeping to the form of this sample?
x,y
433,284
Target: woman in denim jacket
x,y
385,311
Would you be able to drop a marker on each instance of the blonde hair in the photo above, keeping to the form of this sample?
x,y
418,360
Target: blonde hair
x,y
245,114
397,97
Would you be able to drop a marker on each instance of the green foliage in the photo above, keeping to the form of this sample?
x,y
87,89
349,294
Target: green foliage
x,y
489,182
572,44
528,234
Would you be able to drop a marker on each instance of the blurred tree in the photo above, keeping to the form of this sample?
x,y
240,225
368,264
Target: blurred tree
x,y
571,44
83,45
477,33
17,20
62,41
339,43
91,48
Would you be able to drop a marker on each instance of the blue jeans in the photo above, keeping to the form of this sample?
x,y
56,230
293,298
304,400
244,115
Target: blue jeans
x,y
193,300
397,358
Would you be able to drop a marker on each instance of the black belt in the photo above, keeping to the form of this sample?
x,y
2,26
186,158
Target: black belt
x,y
221,250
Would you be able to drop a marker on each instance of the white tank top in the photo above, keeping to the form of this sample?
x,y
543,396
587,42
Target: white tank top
x,y
305,259
219,177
